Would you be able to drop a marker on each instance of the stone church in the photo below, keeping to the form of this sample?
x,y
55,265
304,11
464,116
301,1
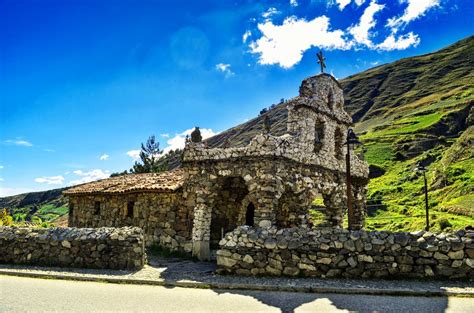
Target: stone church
x,y
271,182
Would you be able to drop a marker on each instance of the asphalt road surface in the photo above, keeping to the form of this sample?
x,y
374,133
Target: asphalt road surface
x,y
18,294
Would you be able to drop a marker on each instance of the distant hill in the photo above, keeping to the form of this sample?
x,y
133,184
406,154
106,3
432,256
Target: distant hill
x,y
46,206
418,109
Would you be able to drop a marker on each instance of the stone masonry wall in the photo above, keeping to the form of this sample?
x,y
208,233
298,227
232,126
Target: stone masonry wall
x,y
105,248
165,218
328,252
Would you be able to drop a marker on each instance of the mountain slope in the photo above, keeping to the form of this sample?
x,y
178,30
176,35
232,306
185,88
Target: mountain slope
x,y
418,109
41,206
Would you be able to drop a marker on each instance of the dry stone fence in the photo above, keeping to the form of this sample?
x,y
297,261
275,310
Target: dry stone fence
x,y
106,248
334,252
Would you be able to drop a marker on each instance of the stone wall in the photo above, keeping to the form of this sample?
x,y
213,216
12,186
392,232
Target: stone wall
x,y
164,216
107,248
333,252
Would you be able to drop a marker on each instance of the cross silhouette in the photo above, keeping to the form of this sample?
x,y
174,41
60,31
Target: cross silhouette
x,y
321,60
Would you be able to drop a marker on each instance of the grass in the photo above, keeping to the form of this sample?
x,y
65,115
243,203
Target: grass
x,y
44,213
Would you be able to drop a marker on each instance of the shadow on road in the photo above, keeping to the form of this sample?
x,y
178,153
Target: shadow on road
x,y
186,270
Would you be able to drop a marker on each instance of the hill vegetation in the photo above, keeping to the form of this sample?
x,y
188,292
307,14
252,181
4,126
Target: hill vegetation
x,y
415,110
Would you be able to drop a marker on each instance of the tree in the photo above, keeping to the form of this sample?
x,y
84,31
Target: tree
x,y
150,158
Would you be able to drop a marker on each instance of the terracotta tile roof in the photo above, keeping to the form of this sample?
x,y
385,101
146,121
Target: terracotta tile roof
x,y
159,182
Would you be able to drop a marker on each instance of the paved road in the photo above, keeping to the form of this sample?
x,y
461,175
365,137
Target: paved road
x,y
18,294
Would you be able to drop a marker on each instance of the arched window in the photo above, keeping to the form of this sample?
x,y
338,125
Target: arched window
x,y
250,214
318,136
97,208
130,208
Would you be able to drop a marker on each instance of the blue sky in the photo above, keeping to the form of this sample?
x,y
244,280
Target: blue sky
x,y
83,83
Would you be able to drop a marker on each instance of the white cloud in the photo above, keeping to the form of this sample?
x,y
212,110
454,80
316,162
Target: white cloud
x,y
293,3
48,150
342,3
246,35
86,177
104,157
361,31
51,180
284,44
165,135
134,154
270,12
224,68
6,191
1,179
177,142
402,42
2,167
18,142
414,10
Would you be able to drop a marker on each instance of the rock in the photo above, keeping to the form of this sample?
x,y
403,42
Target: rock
x,y
272,271
456,255
377,241
440,256
365,258
307,267
270,243
470,263
428,271
352,262
349,245
291,271
324,261
248,259
226,261
66,244
470,253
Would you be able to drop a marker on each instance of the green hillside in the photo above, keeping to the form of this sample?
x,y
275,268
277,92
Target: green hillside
x,y
418,109
36,207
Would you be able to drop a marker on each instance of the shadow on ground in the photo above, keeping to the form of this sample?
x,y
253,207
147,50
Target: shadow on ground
x,y
175,270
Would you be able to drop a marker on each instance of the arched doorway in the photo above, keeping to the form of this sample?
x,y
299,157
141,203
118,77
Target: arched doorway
x,y
226,208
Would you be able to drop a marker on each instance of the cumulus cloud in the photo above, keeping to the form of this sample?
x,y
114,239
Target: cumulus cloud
x,y
246,35
86,177
134,154
293,3
284,44
104,157
165,135
177,142
402,42
361,31
414,10
18,142
51,180
224,68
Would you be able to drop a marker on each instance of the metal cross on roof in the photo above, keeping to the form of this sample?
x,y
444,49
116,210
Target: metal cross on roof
x,y
321,60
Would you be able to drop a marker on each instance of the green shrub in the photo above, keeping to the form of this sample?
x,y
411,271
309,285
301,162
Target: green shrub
x,y
444,223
